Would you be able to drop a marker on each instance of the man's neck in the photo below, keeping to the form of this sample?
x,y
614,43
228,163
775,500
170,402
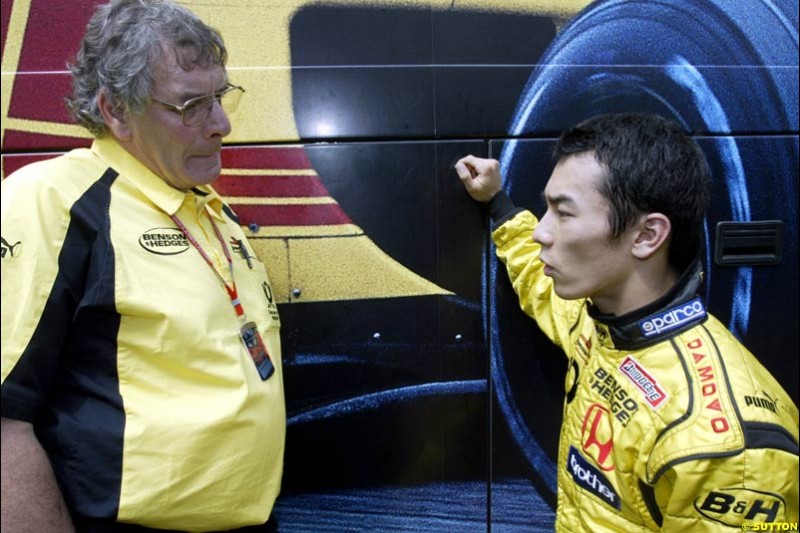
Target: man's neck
x,y
646,284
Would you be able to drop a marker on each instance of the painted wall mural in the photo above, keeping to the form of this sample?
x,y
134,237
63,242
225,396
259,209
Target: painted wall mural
x,y
419,397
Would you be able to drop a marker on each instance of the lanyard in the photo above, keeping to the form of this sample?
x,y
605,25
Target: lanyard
x,y
231,289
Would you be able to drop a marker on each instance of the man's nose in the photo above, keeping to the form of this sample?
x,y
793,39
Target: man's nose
x,y
218,122
542,234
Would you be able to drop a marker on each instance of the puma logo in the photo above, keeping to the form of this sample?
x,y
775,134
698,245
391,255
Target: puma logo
x,y
8,248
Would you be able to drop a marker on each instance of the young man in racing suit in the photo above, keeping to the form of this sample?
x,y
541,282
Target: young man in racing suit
x,y
669,423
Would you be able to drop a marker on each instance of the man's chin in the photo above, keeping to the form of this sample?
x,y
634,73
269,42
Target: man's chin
x,y
206,176
564,293
204,168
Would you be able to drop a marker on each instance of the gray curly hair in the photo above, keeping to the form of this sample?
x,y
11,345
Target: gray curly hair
x,y
124,42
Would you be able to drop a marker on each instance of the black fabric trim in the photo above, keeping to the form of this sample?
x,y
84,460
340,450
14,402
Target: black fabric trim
x,y
624,329
71,362
39,363
689,407
83,428
757,434
501,208
578,320
649,496
228,211
18,402
772,436
225,207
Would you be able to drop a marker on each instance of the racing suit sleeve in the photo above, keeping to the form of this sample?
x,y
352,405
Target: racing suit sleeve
x,y
517,250
758,486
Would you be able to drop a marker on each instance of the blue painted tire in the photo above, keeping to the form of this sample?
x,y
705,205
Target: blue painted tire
x,y
722,68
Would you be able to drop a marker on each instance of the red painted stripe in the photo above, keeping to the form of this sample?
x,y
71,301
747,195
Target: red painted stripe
x,y
52,37
271,186
15,162
26,141
41,97
291,215
290,157
54,33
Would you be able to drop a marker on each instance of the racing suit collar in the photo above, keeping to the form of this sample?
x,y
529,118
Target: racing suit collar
x,y
678,310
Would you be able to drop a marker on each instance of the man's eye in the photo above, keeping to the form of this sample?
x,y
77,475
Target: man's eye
x,y
201,106
200,103
192,106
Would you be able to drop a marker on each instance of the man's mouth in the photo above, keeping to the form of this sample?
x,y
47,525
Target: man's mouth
x,y
548,270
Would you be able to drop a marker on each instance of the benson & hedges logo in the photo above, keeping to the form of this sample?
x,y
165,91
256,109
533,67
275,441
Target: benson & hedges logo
x,y
164,241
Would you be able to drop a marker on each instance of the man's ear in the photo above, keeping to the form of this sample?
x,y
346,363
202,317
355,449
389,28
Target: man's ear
x,y
114,118
652,234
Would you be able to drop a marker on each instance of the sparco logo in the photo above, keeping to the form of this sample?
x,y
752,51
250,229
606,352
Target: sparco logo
x,y
673,318
650,388
591,479
164,241
734,506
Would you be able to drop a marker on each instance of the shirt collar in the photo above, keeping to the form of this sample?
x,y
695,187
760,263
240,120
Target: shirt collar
x,y
158,191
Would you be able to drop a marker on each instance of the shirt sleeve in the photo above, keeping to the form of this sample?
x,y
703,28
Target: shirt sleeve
x,y
35,304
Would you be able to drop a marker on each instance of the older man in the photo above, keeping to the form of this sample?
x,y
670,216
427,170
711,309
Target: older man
x,y
141,359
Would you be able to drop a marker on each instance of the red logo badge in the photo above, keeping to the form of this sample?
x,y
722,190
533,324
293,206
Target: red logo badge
x,y
597,436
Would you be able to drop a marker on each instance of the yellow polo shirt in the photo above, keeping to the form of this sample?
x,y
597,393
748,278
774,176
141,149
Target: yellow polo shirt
x,y
122,346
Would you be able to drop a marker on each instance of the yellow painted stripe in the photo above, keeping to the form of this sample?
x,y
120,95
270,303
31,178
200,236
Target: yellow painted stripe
x,y
539,7
45,128
377,274
289,232
261,60
12,50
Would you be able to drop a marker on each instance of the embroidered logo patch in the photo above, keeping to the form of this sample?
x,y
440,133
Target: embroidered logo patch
x,y
673,318
10,250
164,241
591,479
734,506
637,374
597,436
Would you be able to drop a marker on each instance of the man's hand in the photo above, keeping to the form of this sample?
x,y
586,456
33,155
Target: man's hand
x,y
481,177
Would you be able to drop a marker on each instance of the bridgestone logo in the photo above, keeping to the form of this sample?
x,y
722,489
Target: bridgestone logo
x,y
650,388
164,241
674,318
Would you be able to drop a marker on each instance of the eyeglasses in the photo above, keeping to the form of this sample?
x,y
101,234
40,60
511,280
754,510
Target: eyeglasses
x,y
196,111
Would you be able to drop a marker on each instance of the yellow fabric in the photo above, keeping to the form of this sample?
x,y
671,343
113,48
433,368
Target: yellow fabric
x,y
203,438
700,434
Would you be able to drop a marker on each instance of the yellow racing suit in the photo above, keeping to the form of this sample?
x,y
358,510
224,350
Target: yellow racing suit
x,y
669,423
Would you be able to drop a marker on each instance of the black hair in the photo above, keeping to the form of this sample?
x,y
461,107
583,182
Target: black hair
x,y
652,166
